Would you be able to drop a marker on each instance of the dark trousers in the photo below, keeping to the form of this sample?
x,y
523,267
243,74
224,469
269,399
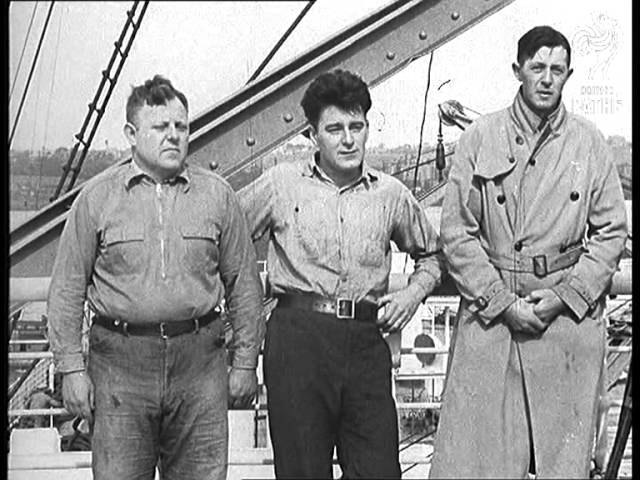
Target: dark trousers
x,y
329,385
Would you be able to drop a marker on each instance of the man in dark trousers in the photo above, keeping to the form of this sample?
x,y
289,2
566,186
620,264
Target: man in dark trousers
x,y
155,245
330,219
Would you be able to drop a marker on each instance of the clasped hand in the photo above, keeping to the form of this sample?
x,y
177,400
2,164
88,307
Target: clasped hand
x,y
535,312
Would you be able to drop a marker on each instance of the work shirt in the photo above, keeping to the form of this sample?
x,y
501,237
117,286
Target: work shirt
x,y
147,252
335,241
505,389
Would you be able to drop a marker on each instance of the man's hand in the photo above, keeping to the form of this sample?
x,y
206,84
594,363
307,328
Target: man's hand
x,y
520,318
399,307
77,395
547,305
243,385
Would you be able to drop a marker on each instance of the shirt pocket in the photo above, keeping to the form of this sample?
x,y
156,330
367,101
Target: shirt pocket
x,y
123,249
201,248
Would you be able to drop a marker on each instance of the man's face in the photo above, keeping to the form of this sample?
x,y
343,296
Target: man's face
x,y
160,138
341,137
543,77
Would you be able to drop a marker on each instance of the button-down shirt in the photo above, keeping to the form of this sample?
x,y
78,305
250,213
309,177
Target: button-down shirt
x,y
143,252
498,199
335,241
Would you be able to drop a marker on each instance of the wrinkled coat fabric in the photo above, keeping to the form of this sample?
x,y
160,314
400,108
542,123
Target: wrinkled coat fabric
x,y
497,199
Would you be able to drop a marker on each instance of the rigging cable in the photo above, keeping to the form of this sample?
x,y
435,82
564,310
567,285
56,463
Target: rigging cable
x,y
424,117
49,101
24,47
281,41
33,66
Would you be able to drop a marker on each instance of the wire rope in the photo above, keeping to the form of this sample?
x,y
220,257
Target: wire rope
x,y
33,66
24,47
424,117
49,102
277,46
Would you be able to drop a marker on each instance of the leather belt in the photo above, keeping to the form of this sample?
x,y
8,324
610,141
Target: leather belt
x,y
163,329
341,308
540,265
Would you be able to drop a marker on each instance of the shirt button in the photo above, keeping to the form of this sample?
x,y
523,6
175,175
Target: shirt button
x,y
518,246
532,162
519,140
574,196
512,160
501,199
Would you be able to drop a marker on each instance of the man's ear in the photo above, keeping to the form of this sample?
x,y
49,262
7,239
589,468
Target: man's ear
x,y
569,73
515,67
130,132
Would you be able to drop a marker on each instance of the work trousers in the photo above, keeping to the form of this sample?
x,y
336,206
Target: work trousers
x,y
159,402
329,385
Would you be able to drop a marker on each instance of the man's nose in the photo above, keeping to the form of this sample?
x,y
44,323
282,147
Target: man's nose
x,y
172,132
347,137
547,79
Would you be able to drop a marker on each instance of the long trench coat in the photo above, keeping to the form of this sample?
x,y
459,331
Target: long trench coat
x,y
506,391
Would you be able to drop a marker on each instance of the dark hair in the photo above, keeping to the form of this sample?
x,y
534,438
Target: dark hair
x,y
339,88
156,91
541,36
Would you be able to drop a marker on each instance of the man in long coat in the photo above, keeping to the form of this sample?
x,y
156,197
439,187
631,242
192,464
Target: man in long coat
x,y
533,227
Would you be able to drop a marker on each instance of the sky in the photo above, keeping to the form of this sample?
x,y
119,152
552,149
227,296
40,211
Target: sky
x,y
210,49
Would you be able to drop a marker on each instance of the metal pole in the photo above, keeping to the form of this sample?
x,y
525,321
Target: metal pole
x,y
622,434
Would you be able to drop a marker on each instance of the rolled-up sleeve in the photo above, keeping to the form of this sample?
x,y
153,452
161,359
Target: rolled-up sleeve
x,y
477,279
413,234
243,291
68,290
606,235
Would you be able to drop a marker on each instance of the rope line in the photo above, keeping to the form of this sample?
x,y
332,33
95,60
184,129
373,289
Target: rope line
x,y
33,67
424,117
24,47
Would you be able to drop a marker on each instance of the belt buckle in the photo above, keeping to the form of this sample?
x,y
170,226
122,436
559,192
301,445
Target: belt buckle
x,y
540,265
163,332
345,309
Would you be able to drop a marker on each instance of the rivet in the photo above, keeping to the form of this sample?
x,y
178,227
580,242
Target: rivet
x,y
251,141
213,165
391,55
455,16
287,117
422,35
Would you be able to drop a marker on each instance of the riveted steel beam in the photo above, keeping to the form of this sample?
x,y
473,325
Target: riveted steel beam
x,y
266,112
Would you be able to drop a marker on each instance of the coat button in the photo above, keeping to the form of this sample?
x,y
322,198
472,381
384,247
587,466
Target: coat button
x,y
481,303
532,162
574,196
501,199
512,160
519,140
518,246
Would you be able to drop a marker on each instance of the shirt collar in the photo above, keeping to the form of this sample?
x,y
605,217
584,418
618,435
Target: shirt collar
x,y
532,122
133,173
311,168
